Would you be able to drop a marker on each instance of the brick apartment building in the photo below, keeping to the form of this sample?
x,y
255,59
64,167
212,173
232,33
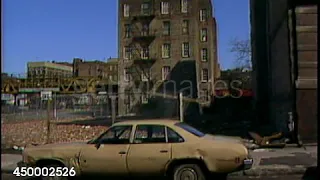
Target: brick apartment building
x,y
165,47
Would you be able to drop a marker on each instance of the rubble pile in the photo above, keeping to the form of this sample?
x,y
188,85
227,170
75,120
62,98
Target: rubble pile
x,y
35,132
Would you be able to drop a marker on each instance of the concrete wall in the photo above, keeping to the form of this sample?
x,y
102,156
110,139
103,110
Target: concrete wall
x,y
284,64
303,18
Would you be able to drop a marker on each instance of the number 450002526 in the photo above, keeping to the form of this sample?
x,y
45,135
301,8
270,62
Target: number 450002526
x,y
44,171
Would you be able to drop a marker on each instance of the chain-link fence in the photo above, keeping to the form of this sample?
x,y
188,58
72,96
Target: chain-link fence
x,y
33,107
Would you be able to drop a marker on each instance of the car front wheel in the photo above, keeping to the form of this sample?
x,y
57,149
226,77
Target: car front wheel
x,y
188,172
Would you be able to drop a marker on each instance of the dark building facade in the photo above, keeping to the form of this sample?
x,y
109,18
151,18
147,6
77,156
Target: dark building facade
x,y
165,46
284,59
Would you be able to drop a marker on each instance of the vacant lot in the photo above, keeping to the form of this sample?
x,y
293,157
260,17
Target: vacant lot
x,y
28,132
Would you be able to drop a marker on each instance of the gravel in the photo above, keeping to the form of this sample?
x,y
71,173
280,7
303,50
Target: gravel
x,y
35,132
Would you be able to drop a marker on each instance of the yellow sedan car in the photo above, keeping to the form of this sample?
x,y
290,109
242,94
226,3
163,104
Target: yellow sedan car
x,y
145,147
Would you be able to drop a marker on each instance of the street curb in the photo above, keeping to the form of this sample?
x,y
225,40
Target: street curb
x,y
271,170
7,171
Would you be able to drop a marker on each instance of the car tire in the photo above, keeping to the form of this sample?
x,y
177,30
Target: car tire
x,y
193,171
55,177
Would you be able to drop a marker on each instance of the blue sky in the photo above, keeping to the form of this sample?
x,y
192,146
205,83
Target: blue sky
x,y
45,30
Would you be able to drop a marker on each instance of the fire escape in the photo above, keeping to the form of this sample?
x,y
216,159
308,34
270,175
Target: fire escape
x,y
142,37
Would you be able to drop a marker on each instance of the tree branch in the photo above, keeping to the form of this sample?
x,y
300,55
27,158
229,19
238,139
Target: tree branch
x,y
242,51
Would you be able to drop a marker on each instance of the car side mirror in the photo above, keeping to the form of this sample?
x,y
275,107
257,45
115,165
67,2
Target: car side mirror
x,y
97,145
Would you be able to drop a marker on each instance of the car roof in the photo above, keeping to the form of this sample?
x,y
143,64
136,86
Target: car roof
x,y
148,121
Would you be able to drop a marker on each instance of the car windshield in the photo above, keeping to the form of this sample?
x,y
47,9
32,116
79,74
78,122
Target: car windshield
x,y
190,129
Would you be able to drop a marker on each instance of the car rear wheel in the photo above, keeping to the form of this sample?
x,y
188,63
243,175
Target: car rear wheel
x,y
188,172
53,177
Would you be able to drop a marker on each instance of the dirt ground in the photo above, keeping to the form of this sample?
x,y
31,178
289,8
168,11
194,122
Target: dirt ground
x,y
35,132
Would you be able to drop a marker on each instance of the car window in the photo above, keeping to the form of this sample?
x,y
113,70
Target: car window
x,y
190,129
150,134
173,136
116,135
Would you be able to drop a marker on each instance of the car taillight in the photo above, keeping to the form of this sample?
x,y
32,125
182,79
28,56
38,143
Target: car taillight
x,y
237,160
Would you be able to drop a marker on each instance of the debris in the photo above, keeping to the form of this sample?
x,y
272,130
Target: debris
x,y
260,150
267,141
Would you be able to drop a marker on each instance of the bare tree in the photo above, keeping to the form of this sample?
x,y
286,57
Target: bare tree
x,y
241,48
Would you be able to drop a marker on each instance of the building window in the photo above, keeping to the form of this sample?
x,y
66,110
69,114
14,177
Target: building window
x,y
204,75
110,68
184,6
164,7
203,34
166,28
89,70
145,74
144,77
127,99
126,75
203,15
115,77
165,72
145,9
127,33
145,30
127,53
204,54
166,48
127,106
185,26
126,10
204,95
144,98
144,53
185,50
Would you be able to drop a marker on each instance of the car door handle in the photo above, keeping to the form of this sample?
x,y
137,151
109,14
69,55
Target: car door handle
x,y
163,151
122,152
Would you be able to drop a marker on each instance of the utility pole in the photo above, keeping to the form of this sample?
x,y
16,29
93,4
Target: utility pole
x,y
181,106
55,106
113,108
47,96
48,120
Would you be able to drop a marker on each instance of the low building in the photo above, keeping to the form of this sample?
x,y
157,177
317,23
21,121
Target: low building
x,y
48,70
96,68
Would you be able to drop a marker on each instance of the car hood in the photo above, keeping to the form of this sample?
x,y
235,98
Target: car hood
x,y
56,147
63,145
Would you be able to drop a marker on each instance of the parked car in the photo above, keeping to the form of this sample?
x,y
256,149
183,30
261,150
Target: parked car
x,y
145,147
